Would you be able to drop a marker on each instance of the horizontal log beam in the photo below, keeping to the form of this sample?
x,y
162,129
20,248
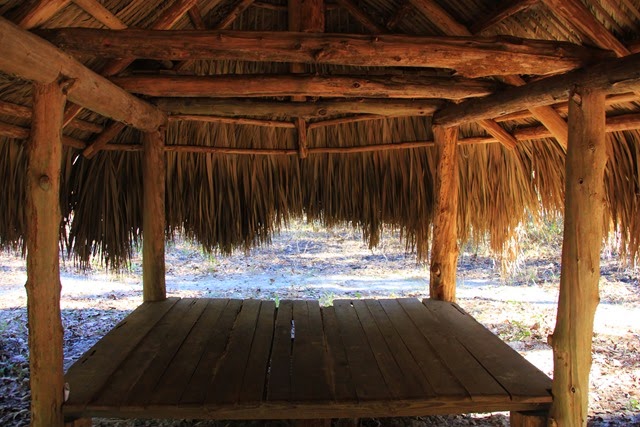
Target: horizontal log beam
x,y
469,56
22,112
322,109
252,86
19,133
29,57
231,120
614,76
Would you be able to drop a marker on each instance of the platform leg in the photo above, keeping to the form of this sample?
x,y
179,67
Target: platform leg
x,y
529,419
323,422
78,422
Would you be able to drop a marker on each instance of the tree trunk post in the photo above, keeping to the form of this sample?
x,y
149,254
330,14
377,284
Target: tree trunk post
x,y
44,155
153,217
583,234
444,250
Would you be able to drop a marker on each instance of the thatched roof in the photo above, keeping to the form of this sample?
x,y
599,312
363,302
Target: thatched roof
x,y
228,201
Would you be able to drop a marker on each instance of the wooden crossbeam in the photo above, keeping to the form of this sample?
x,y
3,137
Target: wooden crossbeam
x,y
506,9
103,139
235,107
471,57
614,77
305,85
22,112
27,56
399,15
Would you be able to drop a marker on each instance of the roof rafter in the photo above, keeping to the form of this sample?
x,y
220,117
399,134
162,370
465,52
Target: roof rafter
x,y
101,13
545,115
361,16
506,9
32,15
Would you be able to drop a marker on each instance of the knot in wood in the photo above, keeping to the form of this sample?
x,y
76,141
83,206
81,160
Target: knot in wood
x,y
436,270
44,182
356,85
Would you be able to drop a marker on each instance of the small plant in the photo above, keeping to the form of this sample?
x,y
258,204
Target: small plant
x,y
633,404
326,300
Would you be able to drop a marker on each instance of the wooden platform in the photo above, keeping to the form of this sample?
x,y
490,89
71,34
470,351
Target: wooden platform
x,y
233,359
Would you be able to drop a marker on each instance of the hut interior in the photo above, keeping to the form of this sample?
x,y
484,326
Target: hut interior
x,y
130,121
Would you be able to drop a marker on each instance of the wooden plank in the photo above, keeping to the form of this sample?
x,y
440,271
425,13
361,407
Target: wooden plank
x,y
226,381
170,344
400,386
279,386
196,389
90,373
308,378
369,381
255,376
469,56
401,353
442,381
472,375
161,339
174,381
338,372
500,360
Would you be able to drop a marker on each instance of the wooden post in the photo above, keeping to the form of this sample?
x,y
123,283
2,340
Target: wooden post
x,y
528,419
44,154
444,250
153,217
583,233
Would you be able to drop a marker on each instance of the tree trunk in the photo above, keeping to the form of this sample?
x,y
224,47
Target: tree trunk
x,y
153,217
444,252
583,233
44,154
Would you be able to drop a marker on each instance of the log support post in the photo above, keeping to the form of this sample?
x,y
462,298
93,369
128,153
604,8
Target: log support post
x,y
528,419
153,217
583,234
444,250
44,155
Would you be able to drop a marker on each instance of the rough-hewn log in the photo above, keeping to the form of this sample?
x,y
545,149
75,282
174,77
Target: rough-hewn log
x,y
505,10
577,14
224,86
244,107
505,138
20,111
44,156
361,16
528,419
582,242
234,14
31,58
103,139
301,125
153,217
101,13
469,56
444,249
399,15
614,76
35,14
196,18
231,120
17,132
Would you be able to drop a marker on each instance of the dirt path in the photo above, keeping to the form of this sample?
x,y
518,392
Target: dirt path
x,y
328,265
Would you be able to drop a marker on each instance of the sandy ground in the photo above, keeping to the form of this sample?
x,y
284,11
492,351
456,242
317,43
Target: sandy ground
x,y
327,265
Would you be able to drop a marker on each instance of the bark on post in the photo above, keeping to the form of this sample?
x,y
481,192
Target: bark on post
x,y
583,233
153,217
44,154
444,251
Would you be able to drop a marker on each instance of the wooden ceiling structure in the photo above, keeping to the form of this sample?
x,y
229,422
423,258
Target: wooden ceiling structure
x,y
455,62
